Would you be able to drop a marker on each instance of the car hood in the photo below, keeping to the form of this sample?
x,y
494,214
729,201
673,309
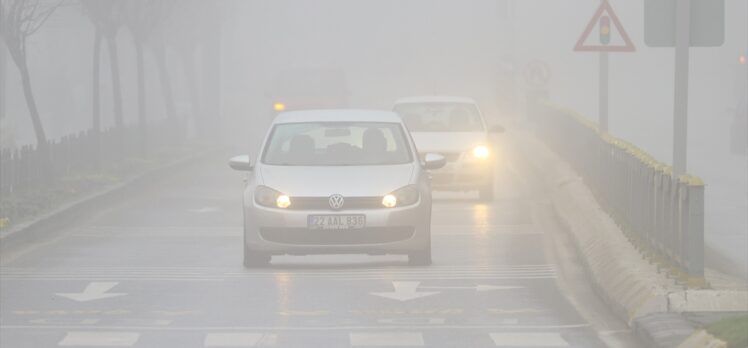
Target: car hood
x,y
323,181
447,141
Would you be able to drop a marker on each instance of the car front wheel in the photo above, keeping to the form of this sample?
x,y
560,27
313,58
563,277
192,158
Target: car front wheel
x,y
255,259
422,257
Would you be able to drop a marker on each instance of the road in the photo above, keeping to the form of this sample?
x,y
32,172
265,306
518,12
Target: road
x,y
162,268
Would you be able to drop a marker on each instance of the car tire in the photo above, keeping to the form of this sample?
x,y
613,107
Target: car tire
x,y
255,259
485,193
423,256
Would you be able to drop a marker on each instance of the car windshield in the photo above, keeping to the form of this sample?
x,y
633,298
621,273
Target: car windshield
x,y
337,144
440,117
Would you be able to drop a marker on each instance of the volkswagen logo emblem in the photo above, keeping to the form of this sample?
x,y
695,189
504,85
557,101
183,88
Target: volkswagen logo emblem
x,y
336,201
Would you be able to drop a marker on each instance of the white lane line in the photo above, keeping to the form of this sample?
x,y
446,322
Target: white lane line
x,y
240,339
528,339
386,339
297,328
255,275
100,339
290,269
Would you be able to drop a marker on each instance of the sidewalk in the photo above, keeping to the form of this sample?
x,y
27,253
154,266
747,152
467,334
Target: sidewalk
x,y
40,226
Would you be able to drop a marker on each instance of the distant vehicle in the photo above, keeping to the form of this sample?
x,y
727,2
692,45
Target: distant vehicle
x,y
455,128
337,181
308,88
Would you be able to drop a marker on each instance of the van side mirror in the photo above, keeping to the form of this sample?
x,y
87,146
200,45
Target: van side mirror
x,y
241,163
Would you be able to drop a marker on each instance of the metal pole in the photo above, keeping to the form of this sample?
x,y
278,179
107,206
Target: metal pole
x,y
603,95
3,78
680,109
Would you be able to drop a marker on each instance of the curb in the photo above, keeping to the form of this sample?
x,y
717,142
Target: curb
x,y
646,299
47,224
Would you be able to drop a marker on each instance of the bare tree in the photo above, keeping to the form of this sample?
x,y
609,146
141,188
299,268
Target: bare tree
x,y
20,19
105,17
143,17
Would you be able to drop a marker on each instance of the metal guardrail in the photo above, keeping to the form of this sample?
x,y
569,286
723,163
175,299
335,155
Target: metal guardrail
x,y
661,215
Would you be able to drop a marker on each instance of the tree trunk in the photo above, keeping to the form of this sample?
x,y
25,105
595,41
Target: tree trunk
x,y
41,138
211,81
95,98
163,74
116,85
142,126
191,73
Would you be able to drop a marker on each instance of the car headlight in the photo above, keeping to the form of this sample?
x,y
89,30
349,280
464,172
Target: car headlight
x,y
480,151
268,197
402,197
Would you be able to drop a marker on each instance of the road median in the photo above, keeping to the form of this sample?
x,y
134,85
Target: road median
x,y
635,288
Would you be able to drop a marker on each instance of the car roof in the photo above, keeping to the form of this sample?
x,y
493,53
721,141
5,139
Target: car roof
x,y
337,115
435,99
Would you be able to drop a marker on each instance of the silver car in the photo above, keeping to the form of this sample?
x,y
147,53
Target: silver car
x,y
455,128
337,181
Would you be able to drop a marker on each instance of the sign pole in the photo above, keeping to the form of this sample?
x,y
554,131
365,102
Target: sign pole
x,y
603,97
680,109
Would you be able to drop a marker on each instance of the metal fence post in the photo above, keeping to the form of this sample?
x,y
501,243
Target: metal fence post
x,y
694,235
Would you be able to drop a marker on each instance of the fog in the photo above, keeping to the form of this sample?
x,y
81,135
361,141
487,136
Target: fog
x,y
228,63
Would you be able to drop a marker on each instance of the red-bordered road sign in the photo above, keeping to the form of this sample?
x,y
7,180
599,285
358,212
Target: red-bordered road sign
x,y
601,18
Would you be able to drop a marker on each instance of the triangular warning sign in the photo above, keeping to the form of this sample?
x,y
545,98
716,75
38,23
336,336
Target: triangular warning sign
x,y
602,17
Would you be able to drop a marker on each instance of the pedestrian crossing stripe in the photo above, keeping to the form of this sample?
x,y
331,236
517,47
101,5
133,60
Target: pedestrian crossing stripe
x,y
239,339
356,338
528,339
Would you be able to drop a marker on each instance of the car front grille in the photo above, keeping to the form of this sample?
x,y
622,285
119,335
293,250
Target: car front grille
x,y
305,236
323,203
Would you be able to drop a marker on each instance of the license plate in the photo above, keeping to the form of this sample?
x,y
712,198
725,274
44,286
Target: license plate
x,y
336,222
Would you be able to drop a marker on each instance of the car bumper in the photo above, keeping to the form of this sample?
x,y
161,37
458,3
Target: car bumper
x,y
460,176
387,231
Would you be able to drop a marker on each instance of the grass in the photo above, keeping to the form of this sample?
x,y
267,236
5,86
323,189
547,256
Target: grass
x,y
733,330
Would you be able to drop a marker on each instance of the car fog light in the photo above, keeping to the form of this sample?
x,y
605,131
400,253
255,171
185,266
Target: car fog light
x,y
480,152
389,201
283,201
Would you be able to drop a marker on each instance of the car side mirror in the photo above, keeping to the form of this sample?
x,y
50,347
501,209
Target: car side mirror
x,y
434,161
241,163
496,129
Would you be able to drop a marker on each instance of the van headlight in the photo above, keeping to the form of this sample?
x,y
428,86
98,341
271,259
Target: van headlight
x,y
405,196
480,151
268,197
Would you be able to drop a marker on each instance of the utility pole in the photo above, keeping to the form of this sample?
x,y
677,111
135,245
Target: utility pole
x,y
603,95
680,109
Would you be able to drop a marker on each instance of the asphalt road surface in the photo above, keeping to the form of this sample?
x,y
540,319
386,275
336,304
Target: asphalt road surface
x,y
162,268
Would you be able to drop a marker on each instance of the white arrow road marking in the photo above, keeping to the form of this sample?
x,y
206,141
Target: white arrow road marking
x,y
94,291
404,291
204,210
478,288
